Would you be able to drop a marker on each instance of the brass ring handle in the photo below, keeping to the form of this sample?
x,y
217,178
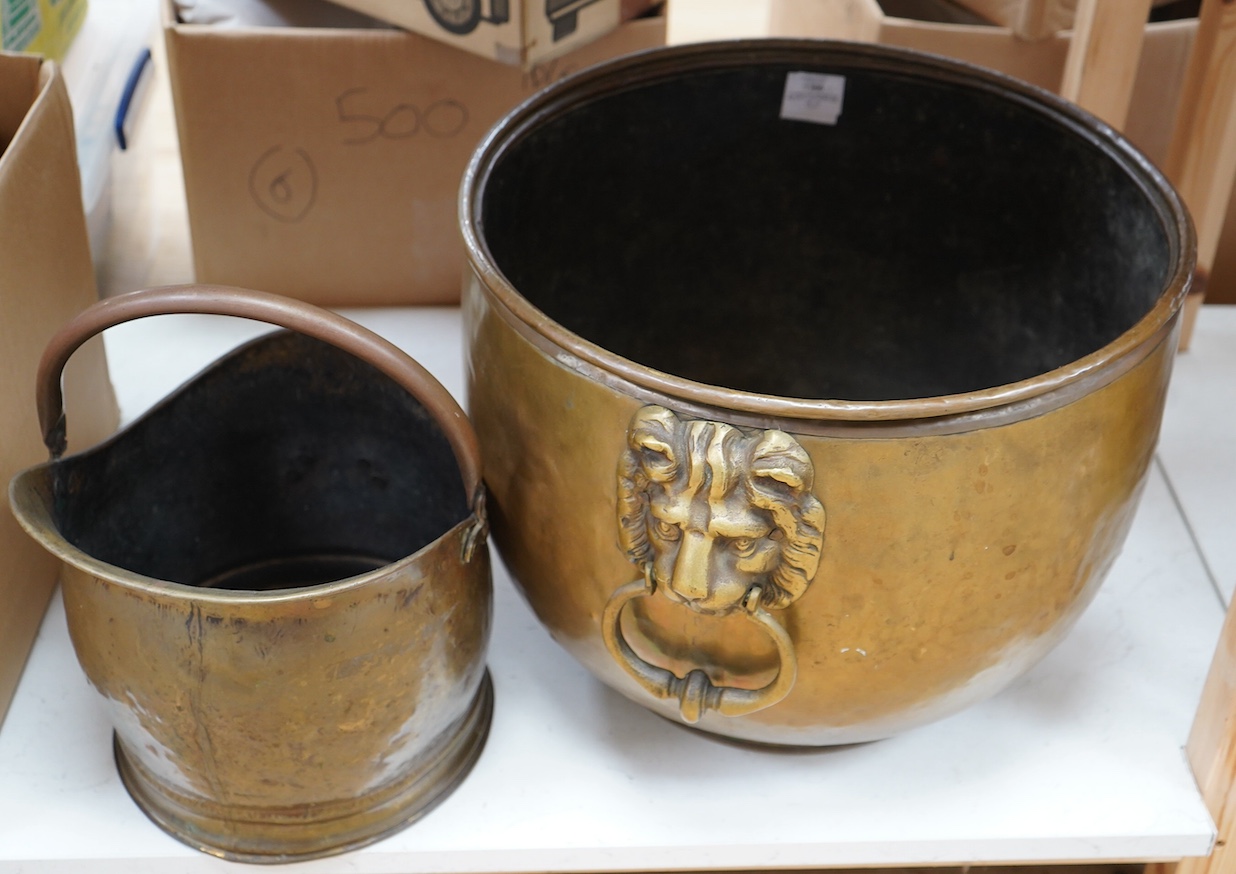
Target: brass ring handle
x,y
696,693
272,309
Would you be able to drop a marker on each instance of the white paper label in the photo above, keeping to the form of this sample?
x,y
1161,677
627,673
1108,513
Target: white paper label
x,y
815,97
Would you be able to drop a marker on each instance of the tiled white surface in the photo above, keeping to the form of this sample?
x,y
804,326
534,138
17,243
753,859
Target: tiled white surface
x,y
1198,443
1080,759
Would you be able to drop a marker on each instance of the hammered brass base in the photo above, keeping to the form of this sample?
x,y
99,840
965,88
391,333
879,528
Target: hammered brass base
x,y
263,835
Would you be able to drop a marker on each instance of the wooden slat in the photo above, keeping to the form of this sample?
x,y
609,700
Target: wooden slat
x,y
1030,19
1202,163
1212,755
1039,19
1202,160
1103,56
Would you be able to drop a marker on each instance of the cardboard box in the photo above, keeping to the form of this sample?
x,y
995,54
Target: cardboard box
x,y
325,164
47,277
45,27
522,32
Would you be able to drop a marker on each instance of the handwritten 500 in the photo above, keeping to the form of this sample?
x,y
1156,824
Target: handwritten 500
x,y
442,118
284,180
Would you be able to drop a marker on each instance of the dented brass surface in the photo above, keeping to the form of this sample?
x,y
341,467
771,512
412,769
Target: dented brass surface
x,y
967,365
951,563
278,581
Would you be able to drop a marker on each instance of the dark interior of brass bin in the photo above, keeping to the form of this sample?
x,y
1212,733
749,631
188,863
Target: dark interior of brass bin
x,y
288,463
938,239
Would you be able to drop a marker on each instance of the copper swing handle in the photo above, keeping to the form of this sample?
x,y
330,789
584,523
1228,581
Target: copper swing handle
x,y
273,309
696,694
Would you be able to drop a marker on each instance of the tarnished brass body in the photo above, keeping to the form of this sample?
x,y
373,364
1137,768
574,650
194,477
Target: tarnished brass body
x,y
269,726
951,562
960,534
294,690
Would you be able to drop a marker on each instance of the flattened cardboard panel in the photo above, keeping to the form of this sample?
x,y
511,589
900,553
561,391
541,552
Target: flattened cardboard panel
x,y
47,278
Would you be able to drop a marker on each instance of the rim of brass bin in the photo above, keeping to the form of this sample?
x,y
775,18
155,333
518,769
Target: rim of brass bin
x,y
652,405
803,415
241,827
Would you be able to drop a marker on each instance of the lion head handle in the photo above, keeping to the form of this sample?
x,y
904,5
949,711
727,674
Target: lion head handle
x,y
717,511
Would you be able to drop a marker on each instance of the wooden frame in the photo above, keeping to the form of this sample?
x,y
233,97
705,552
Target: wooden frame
x,y
1202,160
1202,165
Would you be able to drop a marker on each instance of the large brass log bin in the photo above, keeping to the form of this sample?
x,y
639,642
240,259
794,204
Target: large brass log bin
x,y
278,580
816,383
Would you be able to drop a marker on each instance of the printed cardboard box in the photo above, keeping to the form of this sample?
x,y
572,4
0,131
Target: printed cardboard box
x,y
325,164
47,277
519,32
45,27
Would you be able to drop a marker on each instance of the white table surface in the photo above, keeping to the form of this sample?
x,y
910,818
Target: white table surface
x,y
1079,760
1198,442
